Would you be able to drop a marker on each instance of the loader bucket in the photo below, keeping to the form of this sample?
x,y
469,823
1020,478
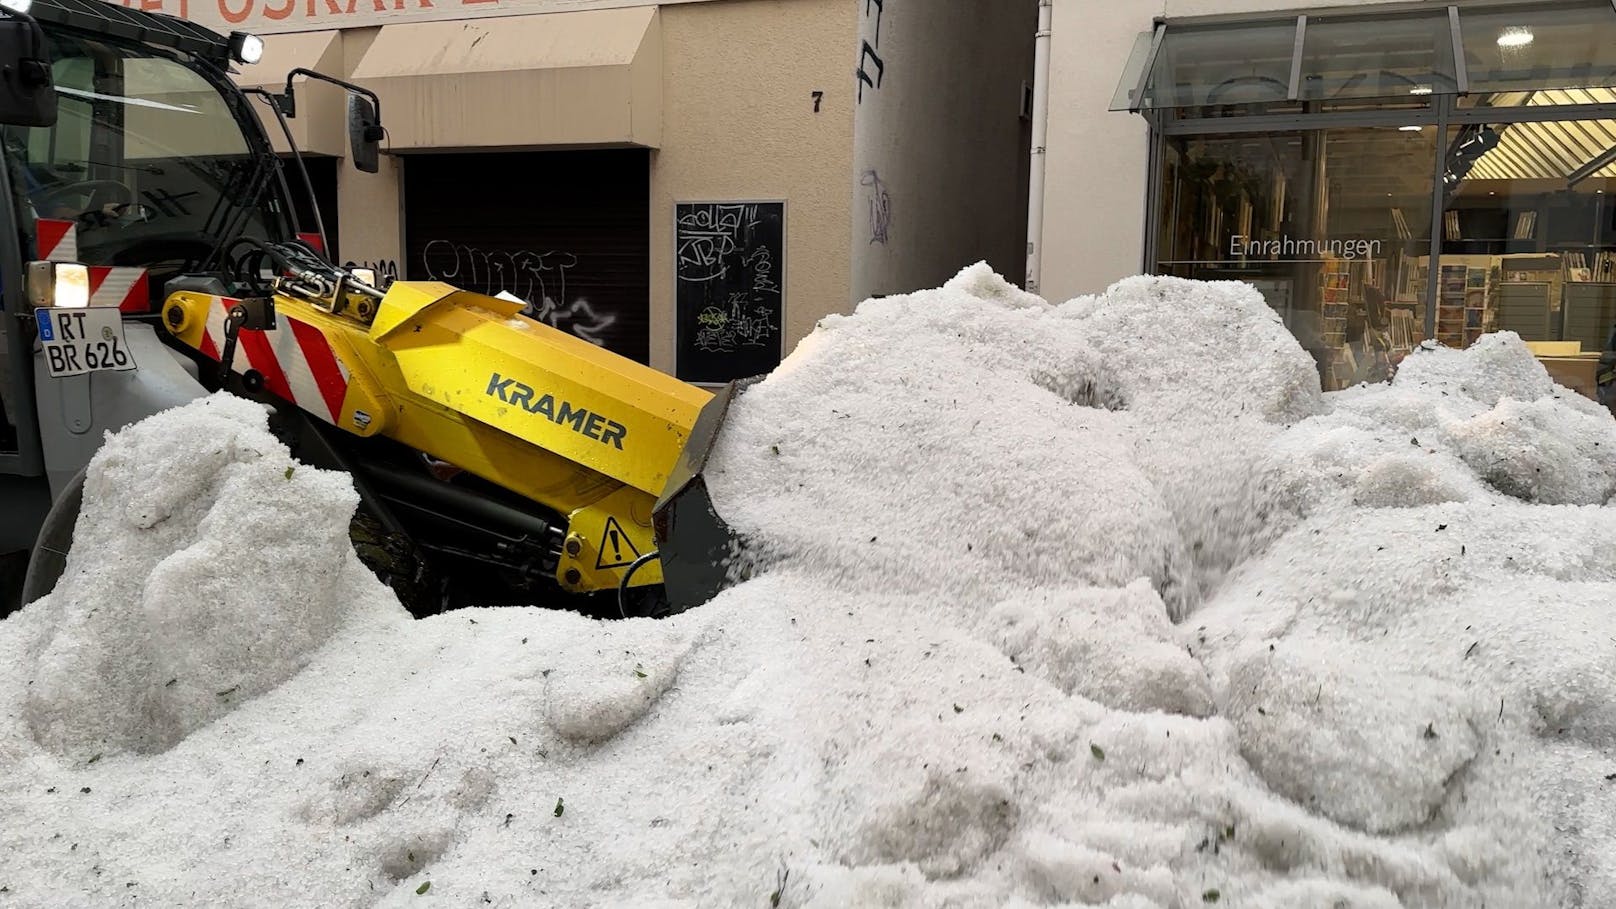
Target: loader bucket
x,y
700,554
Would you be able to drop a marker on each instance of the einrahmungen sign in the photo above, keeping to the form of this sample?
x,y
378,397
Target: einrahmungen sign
x,y
1293,249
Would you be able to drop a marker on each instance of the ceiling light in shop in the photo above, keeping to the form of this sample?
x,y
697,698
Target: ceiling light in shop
x,y
1408,129
1420,90
1515,37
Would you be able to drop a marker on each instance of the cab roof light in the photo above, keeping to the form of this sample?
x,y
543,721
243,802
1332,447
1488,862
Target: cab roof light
x,y
245,47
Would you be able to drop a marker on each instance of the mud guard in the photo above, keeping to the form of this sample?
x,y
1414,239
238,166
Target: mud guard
x,y
700,552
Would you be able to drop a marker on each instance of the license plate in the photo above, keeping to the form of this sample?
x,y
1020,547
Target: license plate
x,y
83,340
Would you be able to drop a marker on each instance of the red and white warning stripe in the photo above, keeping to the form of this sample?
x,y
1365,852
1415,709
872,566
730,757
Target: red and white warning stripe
x,y
295,359
125,288
58,240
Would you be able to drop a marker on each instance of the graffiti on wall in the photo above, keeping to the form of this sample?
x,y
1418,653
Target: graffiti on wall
x,y
537,279
739,324
386,270
707,236
869,52
729,297
880,202
577,317
744,319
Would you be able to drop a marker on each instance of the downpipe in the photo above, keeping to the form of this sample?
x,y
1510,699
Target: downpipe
x,y
1040,135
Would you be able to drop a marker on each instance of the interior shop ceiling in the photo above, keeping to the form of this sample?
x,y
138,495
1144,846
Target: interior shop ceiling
x,y
1385,166
1536,151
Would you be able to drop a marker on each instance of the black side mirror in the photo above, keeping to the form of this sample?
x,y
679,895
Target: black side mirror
x,y
364,133
27,90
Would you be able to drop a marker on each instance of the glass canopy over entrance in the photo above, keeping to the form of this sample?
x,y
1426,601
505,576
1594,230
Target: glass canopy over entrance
x,y
1386,52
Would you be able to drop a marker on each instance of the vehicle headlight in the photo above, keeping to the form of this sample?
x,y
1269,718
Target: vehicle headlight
x,y
62,285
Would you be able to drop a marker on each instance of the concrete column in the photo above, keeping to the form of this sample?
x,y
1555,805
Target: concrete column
x,y
371,229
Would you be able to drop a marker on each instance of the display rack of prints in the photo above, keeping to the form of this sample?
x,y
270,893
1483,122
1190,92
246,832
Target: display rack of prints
x,y
1450,312
1335,305
1335,300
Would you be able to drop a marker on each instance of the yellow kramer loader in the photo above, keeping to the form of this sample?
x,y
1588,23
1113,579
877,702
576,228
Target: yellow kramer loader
x,y
498,460
512,455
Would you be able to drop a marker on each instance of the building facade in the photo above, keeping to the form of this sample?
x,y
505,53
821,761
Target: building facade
x,y
690,183
1384,173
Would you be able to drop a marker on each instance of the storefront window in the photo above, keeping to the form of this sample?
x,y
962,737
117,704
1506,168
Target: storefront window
x,y
1331,225
1529,233
1328,203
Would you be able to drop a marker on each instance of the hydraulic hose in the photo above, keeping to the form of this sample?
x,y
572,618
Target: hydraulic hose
x,y
622,586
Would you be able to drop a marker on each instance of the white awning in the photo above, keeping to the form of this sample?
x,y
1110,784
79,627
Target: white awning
x,y
574,78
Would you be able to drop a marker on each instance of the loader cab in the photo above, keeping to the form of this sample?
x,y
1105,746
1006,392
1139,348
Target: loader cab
x,y
125,156
148,159
131,166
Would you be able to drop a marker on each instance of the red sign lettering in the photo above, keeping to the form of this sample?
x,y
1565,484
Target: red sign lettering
x,y
280,16
233,17
159,6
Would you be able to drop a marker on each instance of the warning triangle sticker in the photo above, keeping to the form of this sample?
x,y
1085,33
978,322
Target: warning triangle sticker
x,y
616,550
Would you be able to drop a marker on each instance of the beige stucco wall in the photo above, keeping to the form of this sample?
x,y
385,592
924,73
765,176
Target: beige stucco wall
x,y
1094,199
371,224
738,122
940,147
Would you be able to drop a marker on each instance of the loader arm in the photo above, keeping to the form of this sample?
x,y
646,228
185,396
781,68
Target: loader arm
x,y
590,436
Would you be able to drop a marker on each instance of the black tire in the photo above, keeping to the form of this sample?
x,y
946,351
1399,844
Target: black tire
x,y
55,538
421,590
13,570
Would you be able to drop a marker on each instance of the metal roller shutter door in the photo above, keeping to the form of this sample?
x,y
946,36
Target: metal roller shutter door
x,y
567,231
